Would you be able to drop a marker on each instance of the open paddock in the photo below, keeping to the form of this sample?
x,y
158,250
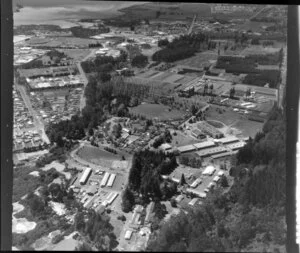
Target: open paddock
x,y
248,128
181,139
76,54
95,155
199,60
258,49
159,111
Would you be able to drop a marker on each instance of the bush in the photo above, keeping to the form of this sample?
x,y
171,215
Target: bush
x,y
56,239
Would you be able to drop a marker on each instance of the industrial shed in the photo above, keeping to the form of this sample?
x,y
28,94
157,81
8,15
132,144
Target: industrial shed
x,y
85,176
104,179
111,180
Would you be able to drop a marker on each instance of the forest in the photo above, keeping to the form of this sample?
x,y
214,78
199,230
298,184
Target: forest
x,y
183,47
145,178
250,216
102,100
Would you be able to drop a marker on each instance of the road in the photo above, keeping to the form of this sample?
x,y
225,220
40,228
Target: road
x,y
259,12
85,80
283,79
37,121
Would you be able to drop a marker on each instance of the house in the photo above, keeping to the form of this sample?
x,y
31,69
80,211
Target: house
x,y
165,146
209,170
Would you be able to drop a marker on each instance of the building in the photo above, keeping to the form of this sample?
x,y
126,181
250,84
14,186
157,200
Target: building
x,y
211,151
111,198
228,139
210,130
179,198
85,176
149,211
104,179
204,144
220,173
187,148
235,146
128,234
92,190
165,146
198,134
197,193
193,201
209,170
196,183
111,180
216,179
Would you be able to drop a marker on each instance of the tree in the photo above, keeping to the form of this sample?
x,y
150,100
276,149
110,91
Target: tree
x,y
182,180
232,92
173,203
127,200
224,182
193,109
139,61
84,247
91,131
211,87
248,92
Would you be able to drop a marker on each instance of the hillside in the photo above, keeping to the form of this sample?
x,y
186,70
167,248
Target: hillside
x,y
250,216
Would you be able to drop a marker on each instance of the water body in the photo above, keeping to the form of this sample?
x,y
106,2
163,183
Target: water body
x,y
63,12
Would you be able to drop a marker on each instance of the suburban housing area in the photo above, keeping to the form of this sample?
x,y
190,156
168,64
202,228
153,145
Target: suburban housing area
x,y
160,129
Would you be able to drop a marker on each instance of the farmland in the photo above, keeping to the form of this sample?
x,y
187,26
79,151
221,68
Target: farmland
x,y
158,111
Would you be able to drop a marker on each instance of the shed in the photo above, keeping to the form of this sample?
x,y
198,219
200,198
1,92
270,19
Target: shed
x,y
128,234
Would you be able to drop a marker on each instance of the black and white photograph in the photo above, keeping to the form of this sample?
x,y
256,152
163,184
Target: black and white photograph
x,y
151,126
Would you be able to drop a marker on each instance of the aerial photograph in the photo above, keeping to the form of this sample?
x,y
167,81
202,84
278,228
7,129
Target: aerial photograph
x,y
149,126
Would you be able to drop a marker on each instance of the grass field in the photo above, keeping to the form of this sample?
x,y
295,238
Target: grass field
x,y
161,112
76,54
180,139
95,155
199,60
248,128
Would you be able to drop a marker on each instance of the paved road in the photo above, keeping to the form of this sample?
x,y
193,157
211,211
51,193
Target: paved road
x,y
259,12
283,79
37,121
85,80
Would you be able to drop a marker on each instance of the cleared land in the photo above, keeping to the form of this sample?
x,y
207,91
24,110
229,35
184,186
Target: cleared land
x,y
95,155
200,60
161,112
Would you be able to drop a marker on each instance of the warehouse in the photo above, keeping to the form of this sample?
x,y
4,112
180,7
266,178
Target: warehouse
x,y
149,211
187,148
111,180
228,139
85,176
211,151
235,146
222,155
196,182
104,179
204,144
193,201
198,193
111,199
